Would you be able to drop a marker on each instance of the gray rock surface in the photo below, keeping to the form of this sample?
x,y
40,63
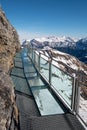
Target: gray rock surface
x,y
9,42
9,45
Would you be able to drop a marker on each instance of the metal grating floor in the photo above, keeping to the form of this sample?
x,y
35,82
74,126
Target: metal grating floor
x,y
56,122
27,108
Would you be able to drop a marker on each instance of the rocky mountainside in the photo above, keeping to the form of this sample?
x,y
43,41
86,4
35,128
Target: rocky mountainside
x,y
9,44
81,48
82,44
66,62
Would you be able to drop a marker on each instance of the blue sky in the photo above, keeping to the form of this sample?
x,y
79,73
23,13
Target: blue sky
x,y
35,18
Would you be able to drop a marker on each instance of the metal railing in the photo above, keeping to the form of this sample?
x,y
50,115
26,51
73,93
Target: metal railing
x,y
63,84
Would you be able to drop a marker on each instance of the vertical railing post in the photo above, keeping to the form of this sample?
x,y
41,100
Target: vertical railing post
x,y
34,57
39,61
50,71
73,93
77,97
29,49
32,53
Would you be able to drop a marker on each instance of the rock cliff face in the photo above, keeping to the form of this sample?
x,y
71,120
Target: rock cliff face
x,y
9,44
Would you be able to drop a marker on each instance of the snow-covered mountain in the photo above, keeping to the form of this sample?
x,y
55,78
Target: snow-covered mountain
x,y
77,48
53,41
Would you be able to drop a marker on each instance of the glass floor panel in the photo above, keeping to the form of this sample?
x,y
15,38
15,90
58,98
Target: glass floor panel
x,y
18,55
17,72
18,64
21,85
46,102
26,60
27,63
29,69
30,75
18,59
36,82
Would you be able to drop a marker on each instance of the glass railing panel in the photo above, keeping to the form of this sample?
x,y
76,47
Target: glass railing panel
x,y
44,67
62,83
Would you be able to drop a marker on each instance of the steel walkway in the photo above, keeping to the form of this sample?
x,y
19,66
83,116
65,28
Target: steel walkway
x,y
27,85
